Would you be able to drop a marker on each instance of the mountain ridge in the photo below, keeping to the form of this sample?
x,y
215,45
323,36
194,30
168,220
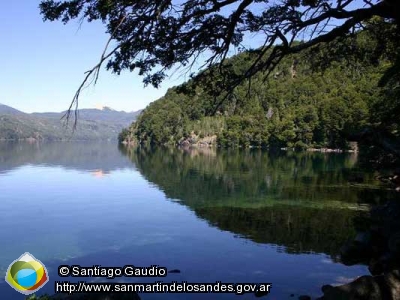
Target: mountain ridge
x,y
104,108
8,109
93,124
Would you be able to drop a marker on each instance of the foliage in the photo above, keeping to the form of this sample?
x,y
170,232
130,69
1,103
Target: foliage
x,y
123,135
320,106
153,36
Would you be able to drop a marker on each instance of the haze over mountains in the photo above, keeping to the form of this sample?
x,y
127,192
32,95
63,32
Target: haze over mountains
x,y
93,124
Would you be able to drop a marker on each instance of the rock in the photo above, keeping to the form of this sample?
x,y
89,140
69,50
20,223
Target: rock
x,y
354,252
203,144
394,244
261,294
366,288
392,180
363,288
185,143
174,271
396,179
379,247
392,280
375,267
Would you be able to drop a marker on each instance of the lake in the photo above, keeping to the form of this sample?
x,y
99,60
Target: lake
x,y
229,215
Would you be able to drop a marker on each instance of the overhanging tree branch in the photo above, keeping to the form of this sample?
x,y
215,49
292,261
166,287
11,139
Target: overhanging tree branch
x,y
157,35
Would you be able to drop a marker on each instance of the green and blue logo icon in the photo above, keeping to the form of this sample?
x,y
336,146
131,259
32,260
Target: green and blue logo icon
x,y
27,274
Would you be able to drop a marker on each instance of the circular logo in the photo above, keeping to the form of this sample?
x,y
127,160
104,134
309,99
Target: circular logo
x,y
27,274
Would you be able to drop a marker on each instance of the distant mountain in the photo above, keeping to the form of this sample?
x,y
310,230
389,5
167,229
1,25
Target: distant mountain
x,y
106,114
4,109
93,124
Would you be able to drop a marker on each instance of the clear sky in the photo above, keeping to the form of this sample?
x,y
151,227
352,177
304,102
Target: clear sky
x,y
43,63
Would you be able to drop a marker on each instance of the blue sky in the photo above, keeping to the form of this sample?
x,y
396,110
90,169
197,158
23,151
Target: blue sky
x,y
43,63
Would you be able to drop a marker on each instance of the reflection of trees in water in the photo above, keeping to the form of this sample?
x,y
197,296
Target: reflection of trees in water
x,y
297,228
255,176
245,192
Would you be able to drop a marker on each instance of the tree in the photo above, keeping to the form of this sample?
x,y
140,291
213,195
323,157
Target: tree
x,y
154,36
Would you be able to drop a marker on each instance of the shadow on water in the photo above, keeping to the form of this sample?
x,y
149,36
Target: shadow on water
x,y
204,176
301,202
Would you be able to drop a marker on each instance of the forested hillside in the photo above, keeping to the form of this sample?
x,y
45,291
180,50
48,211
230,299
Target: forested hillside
x,y
301,104
93,124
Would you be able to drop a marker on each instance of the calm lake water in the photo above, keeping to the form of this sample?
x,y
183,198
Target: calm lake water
x,y
230,216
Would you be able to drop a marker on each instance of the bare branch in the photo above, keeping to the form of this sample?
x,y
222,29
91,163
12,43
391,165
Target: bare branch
x,y
106,47
75,100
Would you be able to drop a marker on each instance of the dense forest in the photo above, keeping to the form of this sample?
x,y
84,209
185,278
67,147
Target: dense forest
x,y
302,104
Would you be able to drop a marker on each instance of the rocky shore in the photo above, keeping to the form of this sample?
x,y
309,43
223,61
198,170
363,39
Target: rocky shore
x,y
197,141
378,247
323,150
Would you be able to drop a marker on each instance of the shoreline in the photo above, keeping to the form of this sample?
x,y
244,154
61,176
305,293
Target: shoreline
x,y
213,146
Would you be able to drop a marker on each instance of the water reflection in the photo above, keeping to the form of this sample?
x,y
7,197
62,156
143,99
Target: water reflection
x,y
303,202
297,229
98,158
233,216
255,177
